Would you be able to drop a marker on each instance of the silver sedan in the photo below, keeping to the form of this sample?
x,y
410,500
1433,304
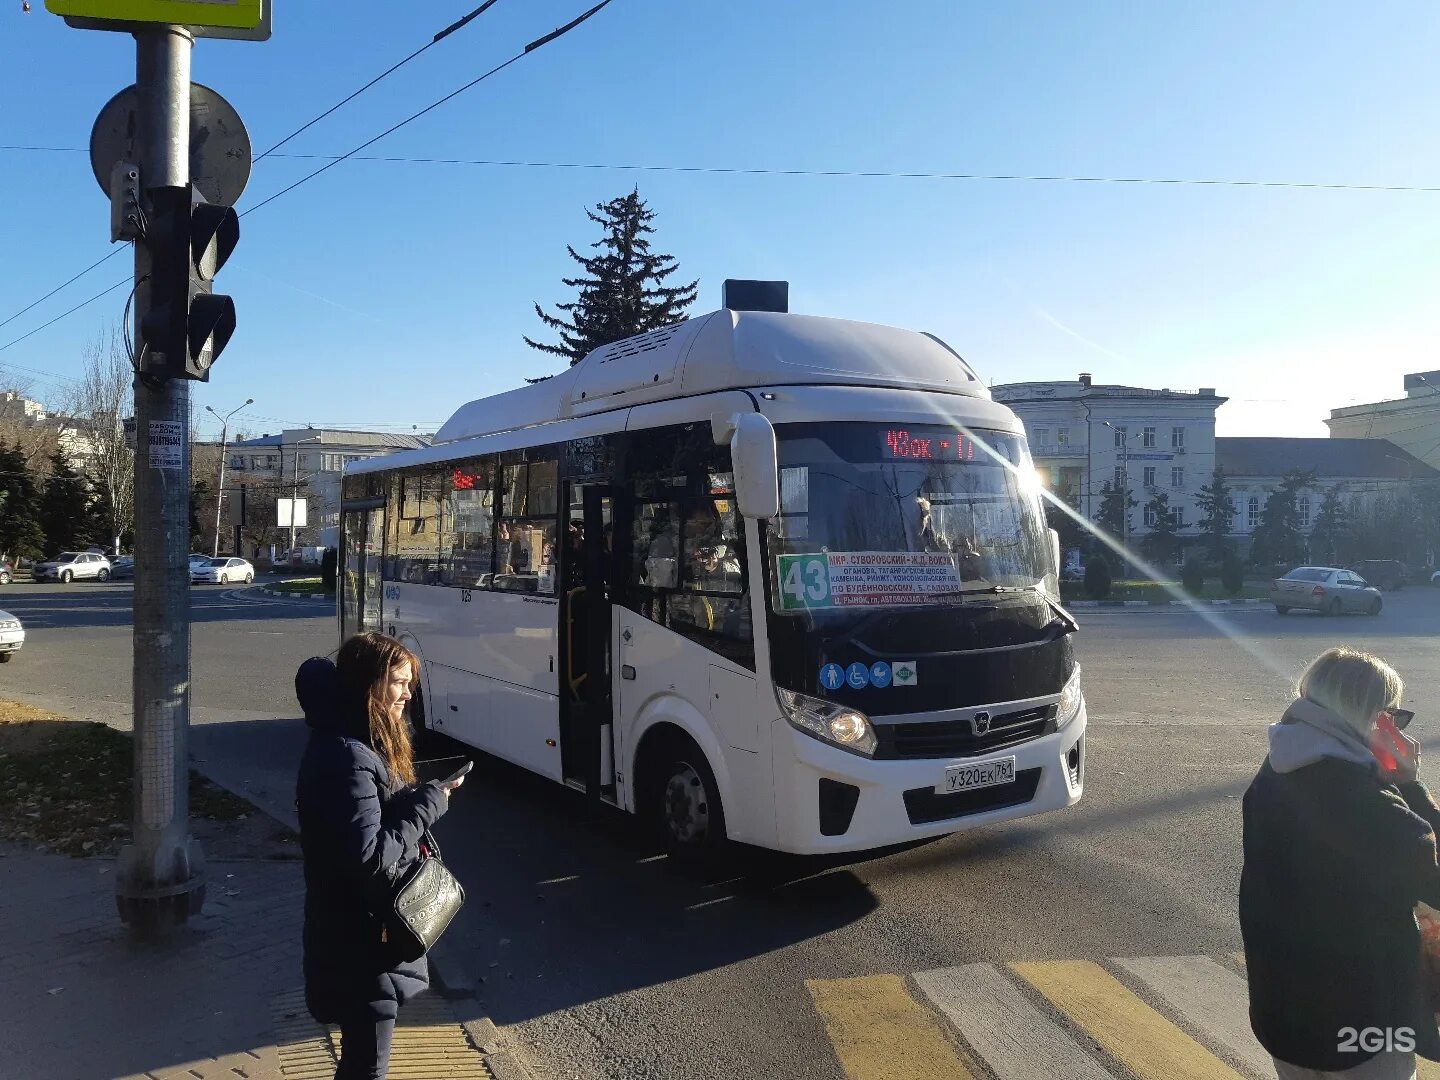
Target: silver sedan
x,y
1326,589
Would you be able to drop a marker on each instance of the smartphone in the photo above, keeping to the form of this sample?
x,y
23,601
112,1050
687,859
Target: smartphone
x,y
457,774
1382,745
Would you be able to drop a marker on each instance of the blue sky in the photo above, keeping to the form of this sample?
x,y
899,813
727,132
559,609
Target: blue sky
x,y
387,294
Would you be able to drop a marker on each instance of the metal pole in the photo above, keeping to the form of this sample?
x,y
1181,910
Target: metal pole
x,y
240,526
220,491
160,880
220,487
294,494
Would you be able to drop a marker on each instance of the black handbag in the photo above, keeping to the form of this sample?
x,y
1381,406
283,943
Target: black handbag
x,y
423,900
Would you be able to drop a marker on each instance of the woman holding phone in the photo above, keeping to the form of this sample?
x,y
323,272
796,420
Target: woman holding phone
x,y
1339,837
362,821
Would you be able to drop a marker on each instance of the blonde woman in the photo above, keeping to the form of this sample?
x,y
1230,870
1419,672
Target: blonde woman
x,y
1338,850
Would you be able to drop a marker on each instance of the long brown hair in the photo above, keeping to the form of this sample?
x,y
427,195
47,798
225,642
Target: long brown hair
x,y
363,668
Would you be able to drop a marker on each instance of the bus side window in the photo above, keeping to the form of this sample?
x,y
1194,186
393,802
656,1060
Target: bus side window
x,y
417,528
526,559
467,560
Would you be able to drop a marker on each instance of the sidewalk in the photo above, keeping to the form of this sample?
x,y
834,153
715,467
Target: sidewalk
x,y
220,998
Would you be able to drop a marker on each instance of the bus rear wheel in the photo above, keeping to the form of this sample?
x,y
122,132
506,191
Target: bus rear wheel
x,y
683,804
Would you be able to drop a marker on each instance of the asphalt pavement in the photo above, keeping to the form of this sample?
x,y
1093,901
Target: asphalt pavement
x,y
601,960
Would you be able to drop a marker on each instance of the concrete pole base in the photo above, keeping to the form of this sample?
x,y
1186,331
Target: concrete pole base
x,y
150,908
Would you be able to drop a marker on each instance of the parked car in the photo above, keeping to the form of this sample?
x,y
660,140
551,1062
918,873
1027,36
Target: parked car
x,y
12,636
222,571
7,572
123,568
1387,574
1326,589
73,565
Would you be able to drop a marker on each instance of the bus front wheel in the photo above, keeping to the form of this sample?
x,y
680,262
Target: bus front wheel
x,y
683,803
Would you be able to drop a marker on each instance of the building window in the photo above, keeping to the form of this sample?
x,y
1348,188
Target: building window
x,y
1042,436
1252,512
1062,436
1149,438
1177,515
1303,506
1120,434
1151,517
1149,475
1177,476
237,462
1177,438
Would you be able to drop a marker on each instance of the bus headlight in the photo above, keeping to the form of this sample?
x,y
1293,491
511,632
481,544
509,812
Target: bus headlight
x,y
838,725
1068,707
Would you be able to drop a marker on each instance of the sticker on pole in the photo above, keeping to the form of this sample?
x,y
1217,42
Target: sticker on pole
x,y
167,444
831,579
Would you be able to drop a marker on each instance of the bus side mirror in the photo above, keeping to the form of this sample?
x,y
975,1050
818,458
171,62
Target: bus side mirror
x,y
754,459
1055,551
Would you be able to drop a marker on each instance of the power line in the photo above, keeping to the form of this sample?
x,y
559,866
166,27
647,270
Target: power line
x,y
877,174
441,36
435,40
526,51
129,280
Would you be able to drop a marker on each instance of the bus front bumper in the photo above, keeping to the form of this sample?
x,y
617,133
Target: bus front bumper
x,y
828,800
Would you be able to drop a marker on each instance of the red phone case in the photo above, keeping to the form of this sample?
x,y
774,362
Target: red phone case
x,y
1387,738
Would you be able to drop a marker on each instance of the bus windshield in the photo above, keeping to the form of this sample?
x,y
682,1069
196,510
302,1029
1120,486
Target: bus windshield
x,y
884,515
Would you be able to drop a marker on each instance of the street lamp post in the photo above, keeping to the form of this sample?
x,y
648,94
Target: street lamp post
x,y
295,489
1124,482
220,491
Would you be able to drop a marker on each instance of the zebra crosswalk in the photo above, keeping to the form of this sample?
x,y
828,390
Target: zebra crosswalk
x,y
1143,1017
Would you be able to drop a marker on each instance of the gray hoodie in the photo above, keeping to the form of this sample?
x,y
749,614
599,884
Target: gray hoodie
x,y
1308,732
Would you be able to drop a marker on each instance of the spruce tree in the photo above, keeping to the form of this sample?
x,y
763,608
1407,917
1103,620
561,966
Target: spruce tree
x,y
1160,543
1214,502
1114,513
20,532
1278,540
622,291
66,508
1332,525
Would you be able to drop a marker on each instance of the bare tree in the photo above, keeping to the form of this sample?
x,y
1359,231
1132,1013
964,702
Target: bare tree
x,y
102,398
36,440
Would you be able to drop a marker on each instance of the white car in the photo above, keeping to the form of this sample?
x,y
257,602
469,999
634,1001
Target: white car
x,y
12,636
73,566
222,571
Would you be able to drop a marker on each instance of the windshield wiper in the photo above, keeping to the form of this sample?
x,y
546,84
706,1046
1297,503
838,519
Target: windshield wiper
x,y
1061,615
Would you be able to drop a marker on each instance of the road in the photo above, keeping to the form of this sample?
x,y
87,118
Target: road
x,y
599,960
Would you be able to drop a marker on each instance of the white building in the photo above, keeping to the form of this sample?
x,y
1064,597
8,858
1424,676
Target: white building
x,y
1084,435
310,462
1412,423
1358,470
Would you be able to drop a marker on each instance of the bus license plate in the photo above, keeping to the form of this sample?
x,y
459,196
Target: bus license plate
x,y
986,774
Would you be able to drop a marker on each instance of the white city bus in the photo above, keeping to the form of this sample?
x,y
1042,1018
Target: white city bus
x,y
759,576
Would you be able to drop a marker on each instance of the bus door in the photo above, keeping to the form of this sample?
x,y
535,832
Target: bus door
x,y
362,530
586,713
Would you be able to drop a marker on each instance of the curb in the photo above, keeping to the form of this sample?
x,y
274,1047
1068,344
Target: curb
x,y
321,598
1113,604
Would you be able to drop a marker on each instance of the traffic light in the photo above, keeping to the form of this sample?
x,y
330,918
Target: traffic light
x,y
186,326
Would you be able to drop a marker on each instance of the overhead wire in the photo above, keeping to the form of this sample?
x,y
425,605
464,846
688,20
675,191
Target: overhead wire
x,y
763,170
458,24
526,51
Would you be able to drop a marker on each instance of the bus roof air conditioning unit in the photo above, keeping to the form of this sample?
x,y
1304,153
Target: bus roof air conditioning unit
x,y
744,295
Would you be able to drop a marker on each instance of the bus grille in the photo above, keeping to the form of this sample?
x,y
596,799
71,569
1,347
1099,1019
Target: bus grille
x,y
957,738
924,805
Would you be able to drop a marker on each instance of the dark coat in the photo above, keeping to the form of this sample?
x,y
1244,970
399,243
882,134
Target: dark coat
x,y
1335,860
353,828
